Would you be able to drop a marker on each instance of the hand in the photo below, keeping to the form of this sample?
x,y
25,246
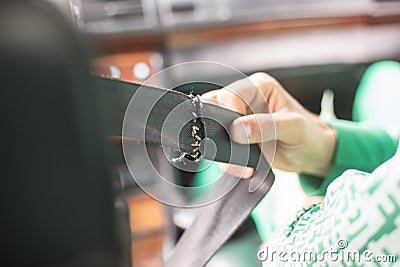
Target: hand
x,y
304,143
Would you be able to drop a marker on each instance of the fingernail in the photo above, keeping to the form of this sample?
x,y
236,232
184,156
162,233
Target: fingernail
x,y
240,132
248,172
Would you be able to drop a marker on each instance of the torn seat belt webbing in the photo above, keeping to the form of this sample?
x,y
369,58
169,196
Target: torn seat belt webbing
x,y
217,221
118,95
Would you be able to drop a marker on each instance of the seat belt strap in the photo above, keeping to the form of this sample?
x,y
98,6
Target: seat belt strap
x,y
217,221
152,107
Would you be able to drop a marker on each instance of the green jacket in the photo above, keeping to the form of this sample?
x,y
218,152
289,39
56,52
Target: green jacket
x,y
358,223
360,146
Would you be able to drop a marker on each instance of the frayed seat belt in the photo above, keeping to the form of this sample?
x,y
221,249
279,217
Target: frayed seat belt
x,y
216,222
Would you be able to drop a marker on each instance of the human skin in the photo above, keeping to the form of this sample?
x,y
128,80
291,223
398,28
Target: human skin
x,y
303,142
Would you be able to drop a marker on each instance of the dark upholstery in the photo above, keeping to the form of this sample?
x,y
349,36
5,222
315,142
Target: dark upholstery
x,y
55,191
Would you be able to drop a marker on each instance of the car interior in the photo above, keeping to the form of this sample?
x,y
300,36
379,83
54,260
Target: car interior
x,y
68,197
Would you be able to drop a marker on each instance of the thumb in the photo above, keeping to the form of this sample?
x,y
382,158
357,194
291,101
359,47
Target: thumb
x,y
264,127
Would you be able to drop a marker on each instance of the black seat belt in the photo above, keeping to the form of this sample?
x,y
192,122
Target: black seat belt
x,y
217,221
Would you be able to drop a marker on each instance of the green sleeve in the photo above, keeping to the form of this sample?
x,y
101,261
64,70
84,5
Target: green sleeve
x,y
360,215
360,146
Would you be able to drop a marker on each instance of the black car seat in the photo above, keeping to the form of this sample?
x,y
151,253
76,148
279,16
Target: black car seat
x,y
56,198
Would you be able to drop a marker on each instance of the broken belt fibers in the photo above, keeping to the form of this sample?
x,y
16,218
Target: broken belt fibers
x,y
197,129
197,132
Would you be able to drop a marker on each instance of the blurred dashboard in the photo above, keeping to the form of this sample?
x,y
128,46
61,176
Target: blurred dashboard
x,y
125,16
306,44
266,34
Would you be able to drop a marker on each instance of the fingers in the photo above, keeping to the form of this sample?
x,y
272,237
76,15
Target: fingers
x,y
236,170
259,94
226,98
245,96
254,93
254,128
229,99
210,95
258,128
